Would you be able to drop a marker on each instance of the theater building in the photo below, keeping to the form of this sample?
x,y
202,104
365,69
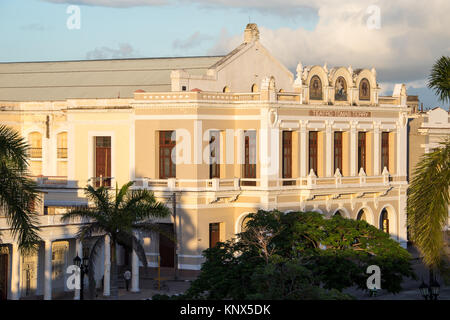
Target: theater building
x,y
224,135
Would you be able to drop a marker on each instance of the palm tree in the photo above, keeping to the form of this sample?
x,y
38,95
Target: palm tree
x,y
428,200
439,79
117,217
18,193
428,194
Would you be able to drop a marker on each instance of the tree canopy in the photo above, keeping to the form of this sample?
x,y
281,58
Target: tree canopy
x,y
299,255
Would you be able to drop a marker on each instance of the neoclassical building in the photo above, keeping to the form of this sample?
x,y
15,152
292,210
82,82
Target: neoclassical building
x,y
224,135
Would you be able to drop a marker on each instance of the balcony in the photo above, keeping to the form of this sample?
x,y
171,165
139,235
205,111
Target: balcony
x,y
50,181
61,153
35,153
311,182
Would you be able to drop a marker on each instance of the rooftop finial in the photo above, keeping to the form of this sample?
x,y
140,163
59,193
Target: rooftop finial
x,y
251,33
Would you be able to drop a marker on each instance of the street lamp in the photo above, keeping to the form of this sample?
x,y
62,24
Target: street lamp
x,y
430,292
84,268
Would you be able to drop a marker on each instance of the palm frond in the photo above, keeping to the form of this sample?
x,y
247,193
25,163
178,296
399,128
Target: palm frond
x,y
13,148
439,79
427,206
129,241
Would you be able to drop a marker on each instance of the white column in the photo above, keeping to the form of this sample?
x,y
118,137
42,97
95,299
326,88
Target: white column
x,y
303,149
15,273
353,149
376,149
329,156
401,149
402,219
48,271
107,272
134,271
79,252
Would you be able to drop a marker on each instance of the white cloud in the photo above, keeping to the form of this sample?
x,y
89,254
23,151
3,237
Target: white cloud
x,y
124,50
113,3
412,35
191,42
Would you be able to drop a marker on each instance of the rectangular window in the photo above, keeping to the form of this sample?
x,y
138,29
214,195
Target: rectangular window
x,y
287,156
249,157
338,151
214,155
167,168
313,151
214,234
384,150
361,151
102,161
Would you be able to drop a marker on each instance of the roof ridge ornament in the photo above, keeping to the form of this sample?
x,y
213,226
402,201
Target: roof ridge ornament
x,y
251,33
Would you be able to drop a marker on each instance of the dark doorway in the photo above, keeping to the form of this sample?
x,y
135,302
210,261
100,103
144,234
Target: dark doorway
x,y
3,276
166,246
214,234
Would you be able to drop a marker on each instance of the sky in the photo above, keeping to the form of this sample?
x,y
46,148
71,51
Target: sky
x,y
401,39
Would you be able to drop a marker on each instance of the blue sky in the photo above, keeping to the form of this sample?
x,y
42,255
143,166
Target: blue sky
x,y
294,30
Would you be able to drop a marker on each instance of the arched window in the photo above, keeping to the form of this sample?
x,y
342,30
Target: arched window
x,y
364,90
226,89
255,87
62,145
35,140
340,89
384,221
361,215
315,88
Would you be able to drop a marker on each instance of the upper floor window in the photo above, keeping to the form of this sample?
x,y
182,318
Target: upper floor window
x,y
315,88
167,168
364,90
338,151
340,89
362,151
62,145
255,87
214,154
249,157
226,89
313,151
35,139
384,150
102,161
287,155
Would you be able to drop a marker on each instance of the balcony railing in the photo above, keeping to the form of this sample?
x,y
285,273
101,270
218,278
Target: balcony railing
x,y
62,153
35,153
235,184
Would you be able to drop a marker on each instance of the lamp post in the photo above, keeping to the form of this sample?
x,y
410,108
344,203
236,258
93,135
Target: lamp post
x,y
430,292
83,264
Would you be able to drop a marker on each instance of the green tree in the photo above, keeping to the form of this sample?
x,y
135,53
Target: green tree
x,y
428,200
117,216
18,193
299,255
439,79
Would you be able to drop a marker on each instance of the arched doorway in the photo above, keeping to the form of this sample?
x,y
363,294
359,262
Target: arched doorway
x,y
384,220
362,215
338,213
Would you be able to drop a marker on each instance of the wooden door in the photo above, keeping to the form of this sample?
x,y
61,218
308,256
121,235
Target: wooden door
x,y
103,161
166,247
214,234
3,276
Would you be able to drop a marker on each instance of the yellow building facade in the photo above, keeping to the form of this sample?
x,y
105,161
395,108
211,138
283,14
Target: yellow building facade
x,y
225,136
